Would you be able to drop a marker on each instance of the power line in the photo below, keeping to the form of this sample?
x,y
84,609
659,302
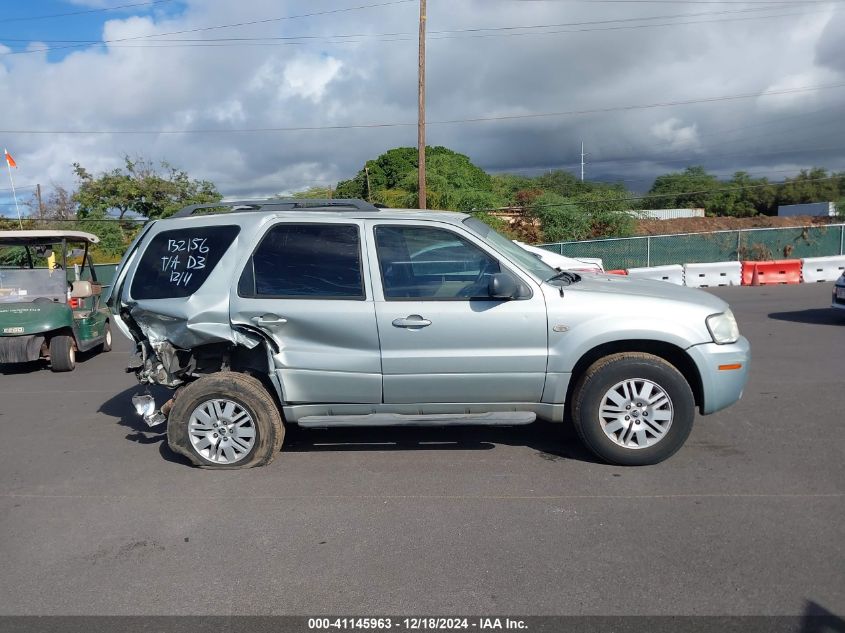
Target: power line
x,y
396,33
64,15
225,26
480,119
688,159
402,36
628,27
660,161
774,2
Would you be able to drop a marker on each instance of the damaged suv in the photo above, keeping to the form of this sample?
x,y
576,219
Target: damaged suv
x,y
337,313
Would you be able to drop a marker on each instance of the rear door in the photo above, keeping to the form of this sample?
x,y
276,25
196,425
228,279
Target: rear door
x,y
305,286
443,339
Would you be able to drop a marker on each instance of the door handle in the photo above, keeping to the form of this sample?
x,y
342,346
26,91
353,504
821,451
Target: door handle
x,y
269,319
413,321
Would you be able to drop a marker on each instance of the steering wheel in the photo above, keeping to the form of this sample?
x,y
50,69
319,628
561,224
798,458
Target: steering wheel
x,y
478,286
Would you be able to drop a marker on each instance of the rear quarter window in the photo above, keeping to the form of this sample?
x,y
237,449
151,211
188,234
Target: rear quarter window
x,y
177,263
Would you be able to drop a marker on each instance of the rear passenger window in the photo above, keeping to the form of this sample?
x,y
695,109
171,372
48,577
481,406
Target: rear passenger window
x,y
305,261
176,263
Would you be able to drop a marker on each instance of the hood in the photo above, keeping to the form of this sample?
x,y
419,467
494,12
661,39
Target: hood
x,y
623,285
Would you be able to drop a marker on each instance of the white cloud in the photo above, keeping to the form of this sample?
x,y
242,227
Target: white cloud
x,y
675,134
309,77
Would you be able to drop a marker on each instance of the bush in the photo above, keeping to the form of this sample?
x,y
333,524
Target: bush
x,y
590,215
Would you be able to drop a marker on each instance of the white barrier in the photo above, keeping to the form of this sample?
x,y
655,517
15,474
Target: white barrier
x,y
713,274
674,274
814,269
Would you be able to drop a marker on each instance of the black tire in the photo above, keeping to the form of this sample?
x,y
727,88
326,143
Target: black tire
x,y
107,340
608,372
62,353
245,391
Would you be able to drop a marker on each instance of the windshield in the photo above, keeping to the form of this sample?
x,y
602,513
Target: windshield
x,y
24,285
527,261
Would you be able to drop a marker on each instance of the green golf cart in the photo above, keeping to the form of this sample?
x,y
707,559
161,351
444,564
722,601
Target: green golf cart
x,y
50,308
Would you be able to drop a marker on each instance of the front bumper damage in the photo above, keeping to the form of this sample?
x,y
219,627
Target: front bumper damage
x,y
145,406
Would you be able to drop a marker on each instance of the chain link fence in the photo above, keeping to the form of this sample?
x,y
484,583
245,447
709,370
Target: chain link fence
x,y
717,246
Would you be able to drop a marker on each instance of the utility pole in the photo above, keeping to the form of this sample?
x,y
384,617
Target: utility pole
x,y
582,161
369,194
40,204
421,110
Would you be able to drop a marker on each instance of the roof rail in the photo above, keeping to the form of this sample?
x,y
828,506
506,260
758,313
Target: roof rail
x,y
280,204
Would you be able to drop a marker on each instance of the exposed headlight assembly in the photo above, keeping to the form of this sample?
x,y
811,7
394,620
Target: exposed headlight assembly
x,y
723,328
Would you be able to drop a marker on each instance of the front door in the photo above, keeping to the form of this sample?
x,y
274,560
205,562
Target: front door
x,y
305,287
443,339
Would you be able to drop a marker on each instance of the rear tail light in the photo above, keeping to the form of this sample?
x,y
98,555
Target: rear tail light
x,y
74,304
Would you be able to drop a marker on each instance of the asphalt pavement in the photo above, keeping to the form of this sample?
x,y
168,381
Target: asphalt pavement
x,y
97,516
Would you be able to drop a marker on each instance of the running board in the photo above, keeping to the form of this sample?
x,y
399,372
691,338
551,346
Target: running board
x,y
507,418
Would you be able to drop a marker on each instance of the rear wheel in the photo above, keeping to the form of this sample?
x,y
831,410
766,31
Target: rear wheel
x,y
225,420
62,353
106,347
633,409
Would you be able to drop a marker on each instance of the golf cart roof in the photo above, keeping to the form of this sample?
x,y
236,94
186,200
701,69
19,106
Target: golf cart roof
x,y
44,237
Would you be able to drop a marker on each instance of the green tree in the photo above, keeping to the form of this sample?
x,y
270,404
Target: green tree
x,y
507,187
114,235
814,185
757,193
680,190
139,187
589,215
452,182
316,192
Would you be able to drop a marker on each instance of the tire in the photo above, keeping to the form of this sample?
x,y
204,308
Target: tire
x,y
107,338
600,407
225,421
62,353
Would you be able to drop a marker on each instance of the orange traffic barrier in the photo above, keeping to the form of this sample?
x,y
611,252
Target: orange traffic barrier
x,y
616,272
747,273
783,271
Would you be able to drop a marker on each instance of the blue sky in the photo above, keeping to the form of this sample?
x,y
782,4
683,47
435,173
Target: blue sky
x,y
21,21
649,87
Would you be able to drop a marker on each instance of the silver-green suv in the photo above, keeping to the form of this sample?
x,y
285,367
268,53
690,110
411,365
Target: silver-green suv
x,y
338,313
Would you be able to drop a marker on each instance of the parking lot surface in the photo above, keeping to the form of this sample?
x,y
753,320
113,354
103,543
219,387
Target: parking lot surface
x,y
97,516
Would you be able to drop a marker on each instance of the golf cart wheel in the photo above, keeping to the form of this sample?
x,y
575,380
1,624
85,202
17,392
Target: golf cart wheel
x,y
633,409
62,353
106,347
225,421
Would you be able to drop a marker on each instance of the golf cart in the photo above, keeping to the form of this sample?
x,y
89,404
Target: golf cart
x,y
48,310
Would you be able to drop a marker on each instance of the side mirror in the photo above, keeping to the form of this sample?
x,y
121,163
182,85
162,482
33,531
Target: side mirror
x,y
503,286
81,290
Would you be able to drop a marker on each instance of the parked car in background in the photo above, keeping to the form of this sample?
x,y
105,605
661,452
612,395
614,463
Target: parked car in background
x,y
45,312
335,313
838,299
561,262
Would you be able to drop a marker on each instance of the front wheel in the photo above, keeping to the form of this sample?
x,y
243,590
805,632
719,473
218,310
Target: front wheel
x,y
225,420
633,409
106,347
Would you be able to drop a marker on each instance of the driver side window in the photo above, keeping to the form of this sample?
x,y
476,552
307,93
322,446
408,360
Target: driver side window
x,y
428,263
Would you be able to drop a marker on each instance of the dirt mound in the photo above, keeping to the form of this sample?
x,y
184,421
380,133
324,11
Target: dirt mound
x,y
700,225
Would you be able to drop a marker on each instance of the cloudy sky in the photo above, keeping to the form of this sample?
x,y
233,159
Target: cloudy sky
x,y
224,89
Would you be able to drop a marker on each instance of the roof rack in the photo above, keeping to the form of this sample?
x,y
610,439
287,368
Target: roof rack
x,y
280,204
